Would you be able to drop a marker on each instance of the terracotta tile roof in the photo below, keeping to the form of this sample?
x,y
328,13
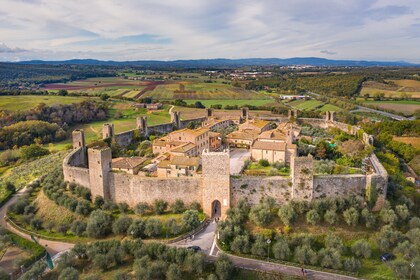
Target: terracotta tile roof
x,y
195,132
185,161
127,163
214,134
272,146
183,148
179,161
244,134
254,123
273,134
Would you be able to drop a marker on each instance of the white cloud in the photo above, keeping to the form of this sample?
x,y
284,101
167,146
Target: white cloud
x,y
357,29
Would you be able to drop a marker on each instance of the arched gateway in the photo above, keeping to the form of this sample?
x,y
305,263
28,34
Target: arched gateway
x,y
216,207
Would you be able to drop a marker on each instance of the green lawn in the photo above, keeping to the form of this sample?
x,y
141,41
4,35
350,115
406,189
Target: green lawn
x,y
306,105
330,107
239,102
26,102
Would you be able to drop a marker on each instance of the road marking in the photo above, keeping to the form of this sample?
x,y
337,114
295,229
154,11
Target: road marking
x,y
213,246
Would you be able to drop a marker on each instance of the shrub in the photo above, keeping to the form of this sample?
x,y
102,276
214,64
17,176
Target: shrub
x,y
153,227
263,162
141,208
402,212
281,249
190,220
361,248
388,216
36,223
178,206
240,244
224,267
63,228
414,222
136,229
351,216
29,209
99,224
305,255
330,258
172,226
369,218
287,214
174,272
259,248
407,250
195,206
352,264
261,215
334,242
123,207
83,207
69,273
312,217
78,228
330,216
121,225
99,201
160,206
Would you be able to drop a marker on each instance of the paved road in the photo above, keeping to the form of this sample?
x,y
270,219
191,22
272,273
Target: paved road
x,y
53,247
390,115
237,160
207,242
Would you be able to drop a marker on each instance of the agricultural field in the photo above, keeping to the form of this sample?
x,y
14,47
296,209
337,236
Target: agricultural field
x,y
414,141
330,107
395,88
239,102
26,102
402,106
195,88
201,91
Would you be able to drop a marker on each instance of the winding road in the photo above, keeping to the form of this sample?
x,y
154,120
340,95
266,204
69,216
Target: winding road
x,y
53,247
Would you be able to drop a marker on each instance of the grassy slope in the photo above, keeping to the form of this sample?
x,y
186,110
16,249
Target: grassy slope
x,y
307,105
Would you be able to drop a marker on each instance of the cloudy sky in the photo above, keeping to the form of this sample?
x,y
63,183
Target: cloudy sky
x,y
191,29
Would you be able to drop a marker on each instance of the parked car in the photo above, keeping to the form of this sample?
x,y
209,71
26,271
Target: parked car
x,y
195,248
387,257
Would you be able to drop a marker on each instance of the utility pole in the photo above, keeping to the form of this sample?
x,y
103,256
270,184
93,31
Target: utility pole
x,y
268,247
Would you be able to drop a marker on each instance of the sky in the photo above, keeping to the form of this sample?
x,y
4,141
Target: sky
x,y
385,30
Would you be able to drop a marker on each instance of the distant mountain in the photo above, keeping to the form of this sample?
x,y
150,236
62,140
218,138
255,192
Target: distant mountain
x,y
222,62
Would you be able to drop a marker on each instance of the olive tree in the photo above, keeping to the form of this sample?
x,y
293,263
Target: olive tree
x,y
287,214
312,217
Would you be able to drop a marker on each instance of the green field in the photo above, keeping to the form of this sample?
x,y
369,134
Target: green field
x,y
306,105
403,106
330,107
26,102
239,102
203,91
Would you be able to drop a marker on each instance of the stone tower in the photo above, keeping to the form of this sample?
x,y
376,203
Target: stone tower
x,y
141,123
302,173
289,134
100,160
107,130
216,183
330,116
78,137
176,119
245,113
209,113
292,114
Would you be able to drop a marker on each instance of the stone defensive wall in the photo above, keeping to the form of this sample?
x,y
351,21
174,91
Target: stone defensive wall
x,y
75,169
254,188
133,189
